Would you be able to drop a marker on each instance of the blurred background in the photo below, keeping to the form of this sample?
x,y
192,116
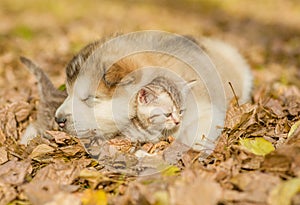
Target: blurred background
x,y
266,32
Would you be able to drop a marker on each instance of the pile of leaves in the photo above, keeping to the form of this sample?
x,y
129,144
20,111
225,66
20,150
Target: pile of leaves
x,y
256,162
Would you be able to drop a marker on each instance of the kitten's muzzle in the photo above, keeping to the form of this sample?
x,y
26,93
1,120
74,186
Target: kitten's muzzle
x,y
61,121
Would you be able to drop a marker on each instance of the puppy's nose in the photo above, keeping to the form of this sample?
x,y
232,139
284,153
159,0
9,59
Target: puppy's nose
x,y
61,121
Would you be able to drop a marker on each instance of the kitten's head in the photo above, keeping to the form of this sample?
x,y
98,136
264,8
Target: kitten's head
x,y
160,106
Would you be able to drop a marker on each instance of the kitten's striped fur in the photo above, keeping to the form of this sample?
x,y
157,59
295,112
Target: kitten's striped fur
x,y
167,99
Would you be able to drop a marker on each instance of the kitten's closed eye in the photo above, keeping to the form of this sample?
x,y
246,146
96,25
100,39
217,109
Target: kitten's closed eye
x,y
167,114
181,112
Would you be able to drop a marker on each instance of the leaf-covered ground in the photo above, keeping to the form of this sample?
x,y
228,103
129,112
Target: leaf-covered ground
x,y
257,159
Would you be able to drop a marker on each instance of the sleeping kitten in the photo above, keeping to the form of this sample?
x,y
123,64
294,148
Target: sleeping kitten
x,y
158,111
50,99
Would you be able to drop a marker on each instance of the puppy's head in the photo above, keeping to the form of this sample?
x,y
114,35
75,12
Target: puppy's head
x,y
93,91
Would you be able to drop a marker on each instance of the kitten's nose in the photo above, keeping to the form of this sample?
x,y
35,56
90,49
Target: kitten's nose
x,y
61,121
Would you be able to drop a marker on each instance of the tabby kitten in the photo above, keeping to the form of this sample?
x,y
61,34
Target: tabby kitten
x,y
158,110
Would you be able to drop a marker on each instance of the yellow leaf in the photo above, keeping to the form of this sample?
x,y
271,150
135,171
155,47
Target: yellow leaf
x,y
170,171
258,145
293,128
41,150
284,192
92,176
94,197
161,198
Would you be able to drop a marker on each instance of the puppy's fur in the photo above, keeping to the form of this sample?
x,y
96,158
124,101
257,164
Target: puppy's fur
x,y
104,76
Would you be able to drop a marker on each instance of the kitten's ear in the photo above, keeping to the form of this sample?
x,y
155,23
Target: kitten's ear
x,y
187,86
145,96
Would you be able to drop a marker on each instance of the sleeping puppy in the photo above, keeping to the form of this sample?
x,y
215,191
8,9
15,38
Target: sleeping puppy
x,y
103,77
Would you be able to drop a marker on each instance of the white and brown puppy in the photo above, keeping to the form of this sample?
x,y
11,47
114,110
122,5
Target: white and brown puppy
x,y
103,77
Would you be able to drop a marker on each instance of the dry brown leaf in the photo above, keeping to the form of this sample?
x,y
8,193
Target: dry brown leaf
x,y
11,125
43,191
121,144
63,198
7,193
174,152
72,150
2,136
272,50
59,137
158,147
189,192
276,163
3,155
236,116
276,107
293,105
147,146
40,150
255,184
21,109
61,172
14,172
252,162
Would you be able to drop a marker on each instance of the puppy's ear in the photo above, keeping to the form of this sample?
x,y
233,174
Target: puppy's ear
x,y
117,75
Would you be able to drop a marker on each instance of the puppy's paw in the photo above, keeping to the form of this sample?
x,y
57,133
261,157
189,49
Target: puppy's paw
x,y
141,153
30,133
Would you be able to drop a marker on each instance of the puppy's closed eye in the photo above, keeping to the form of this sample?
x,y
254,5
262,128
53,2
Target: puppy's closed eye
x,y
91,100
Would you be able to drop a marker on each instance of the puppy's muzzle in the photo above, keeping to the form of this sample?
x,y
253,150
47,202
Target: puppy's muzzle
x,y
61,121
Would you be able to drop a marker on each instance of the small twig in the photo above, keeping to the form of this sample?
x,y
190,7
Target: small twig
x,y
235,96
15,155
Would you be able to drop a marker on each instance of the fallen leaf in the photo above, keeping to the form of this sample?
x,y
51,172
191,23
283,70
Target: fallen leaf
x,y
3,155
63,198
236,116
255,185
92,176
94,197
275,162
2,137
7,193
14,172
198,191
72,150
61,172
170,171
293,128
11,125
41,150
59,137
257,145
21,109
121,144
161,198
43,191
284,192
276,107
62,87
